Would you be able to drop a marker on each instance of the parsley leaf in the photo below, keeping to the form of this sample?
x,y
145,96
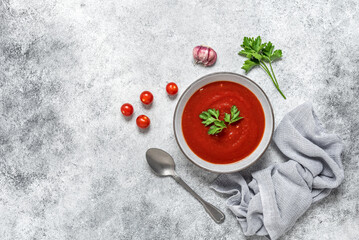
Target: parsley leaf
x,y
214,130
220,124
211,116
209,121
259,53
268,49
214,113
276,55
248,65
204,115
234,116
227,117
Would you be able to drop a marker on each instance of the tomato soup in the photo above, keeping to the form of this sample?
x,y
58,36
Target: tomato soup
x,y
236,141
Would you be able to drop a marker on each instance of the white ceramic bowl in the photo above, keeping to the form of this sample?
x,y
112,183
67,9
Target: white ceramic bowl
x,y
268,114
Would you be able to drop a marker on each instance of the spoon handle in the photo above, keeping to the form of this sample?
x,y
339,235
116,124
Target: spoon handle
x,y
214,212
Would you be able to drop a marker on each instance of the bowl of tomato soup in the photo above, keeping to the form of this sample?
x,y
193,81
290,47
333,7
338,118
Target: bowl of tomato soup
x,y
240,143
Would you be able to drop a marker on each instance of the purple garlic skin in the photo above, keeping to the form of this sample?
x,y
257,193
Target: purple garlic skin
x,y
204,55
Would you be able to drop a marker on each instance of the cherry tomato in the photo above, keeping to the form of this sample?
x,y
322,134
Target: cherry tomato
x,y
143,121
171,88
146,97
127,109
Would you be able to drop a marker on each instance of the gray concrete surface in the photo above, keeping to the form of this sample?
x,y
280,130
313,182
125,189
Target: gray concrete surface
x,y
71,167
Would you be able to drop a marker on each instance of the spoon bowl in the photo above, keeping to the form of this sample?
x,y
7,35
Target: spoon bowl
x,y
161,162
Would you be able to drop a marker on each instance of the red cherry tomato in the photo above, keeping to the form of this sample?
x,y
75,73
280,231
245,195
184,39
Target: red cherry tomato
x,y
143,121
146,97
127,109
171,88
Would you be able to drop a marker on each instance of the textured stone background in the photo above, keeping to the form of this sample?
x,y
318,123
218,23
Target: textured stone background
x,y
71,167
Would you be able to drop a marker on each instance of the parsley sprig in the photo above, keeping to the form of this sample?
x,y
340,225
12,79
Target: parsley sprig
x,y
233,117
211,116
259,53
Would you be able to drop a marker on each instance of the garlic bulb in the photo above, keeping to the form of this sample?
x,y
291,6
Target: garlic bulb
x,y
205,55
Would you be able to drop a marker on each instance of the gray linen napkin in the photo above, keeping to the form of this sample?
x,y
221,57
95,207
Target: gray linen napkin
x,y
278,195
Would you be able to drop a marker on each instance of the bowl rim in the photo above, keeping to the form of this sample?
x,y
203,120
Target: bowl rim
x,y
200,79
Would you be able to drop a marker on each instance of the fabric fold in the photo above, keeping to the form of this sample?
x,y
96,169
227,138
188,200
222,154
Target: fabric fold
x,y
277,196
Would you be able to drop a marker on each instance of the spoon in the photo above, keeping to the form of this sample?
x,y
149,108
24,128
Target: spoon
x,y
163,165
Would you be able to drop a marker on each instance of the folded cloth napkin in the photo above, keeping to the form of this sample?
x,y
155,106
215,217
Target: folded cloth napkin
x,y
277,196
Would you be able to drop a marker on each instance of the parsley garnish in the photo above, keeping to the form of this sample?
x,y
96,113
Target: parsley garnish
x,y
211,116
258,53
233,117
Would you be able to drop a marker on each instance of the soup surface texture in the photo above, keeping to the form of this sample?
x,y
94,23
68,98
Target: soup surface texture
x,y
236,141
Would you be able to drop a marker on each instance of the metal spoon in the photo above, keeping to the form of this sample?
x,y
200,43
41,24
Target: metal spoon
x,y
163,165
